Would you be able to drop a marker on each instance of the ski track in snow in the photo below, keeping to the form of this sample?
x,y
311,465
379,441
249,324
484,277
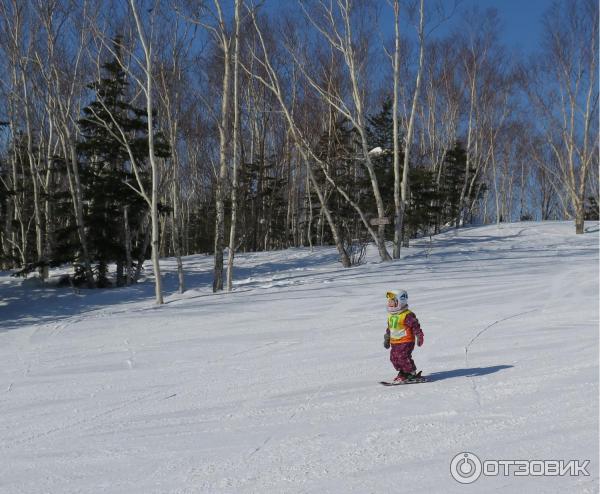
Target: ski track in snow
x,y
273,388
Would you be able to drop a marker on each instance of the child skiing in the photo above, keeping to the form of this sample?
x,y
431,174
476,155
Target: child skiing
x,y
402,330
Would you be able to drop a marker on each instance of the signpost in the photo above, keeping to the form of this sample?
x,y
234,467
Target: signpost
x,y
380,221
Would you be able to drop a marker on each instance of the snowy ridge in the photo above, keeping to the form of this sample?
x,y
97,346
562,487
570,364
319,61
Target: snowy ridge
x,y
273,388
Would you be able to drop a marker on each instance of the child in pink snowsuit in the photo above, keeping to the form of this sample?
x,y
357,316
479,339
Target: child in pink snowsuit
x,y
402,330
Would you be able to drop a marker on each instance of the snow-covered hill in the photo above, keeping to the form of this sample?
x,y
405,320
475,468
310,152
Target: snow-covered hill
x,y
273,388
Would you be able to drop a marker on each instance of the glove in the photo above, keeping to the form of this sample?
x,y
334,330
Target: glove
x,y
386,341
420,339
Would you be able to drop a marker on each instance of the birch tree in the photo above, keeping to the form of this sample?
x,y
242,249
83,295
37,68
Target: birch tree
x,y
234,153
401,204
215,24
145,84
396,71
62,72
173,83
271,81
478,43
334,23
565,94
147,87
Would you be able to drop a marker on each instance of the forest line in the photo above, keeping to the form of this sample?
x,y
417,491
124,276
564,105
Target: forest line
x,y
144,129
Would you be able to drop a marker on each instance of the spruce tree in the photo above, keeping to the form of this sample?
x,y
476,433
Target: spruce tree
x,y
419,214
380,133
452,180
338,149
107,171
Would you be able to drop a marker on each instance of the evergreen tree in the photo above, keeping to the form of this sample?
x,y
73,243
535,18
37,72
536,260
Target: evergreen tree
x,y
17,189
419,215
111,205
592,210
429,204
380,133
339,150
452,179
66,238
262,190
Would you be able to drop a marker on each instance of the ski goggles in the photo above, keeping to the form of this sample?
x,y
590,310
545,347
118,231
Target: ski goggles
x,y
391,296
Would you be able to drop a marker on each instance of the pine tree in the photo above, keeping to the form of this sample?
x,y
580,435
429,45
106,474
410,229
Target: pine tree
x,y
338,150
112,206
18,183
420,214
381,134
452,179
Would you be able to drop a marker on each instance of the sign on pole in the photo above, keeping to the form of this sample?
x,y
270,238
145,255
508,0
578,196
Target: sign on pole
x,y
380,221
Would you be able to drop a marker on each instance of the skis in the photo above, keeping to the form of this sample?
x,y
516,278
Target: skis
x,y
402,383
418,379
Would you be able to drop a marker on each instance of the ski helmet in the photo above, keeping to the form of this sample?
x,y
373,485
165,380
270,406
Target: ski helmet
x,y
400,295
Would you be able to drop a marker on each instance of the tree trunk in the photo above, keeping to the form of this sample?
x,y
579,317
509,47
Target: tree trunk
x,y
461,201
397,200
70,153
176,229
128,259
345,260
48,204
34,179
409,134
142,256
310,214
220,193
234,185
151,155
579,218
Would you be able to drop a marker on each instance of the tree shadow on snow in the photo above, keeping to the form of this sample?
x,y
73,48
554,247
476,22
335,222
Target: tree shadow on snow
x,y
472,372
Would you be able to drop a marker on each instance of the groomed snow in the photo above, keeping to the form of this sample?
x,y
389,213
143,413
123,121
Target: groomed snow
x,y
273,388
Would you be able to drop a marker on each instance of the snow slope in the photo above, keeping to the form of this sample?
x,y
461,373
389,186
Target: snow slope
x,y
273,388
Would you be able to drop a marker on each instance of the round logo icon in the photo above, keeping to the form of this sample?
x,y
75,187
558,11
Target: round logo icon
x,y
465,468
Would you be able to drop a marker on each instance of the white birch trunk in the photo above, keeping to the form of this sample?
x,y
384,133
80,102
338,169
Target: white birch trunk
x,y
234,185
148,90
409,134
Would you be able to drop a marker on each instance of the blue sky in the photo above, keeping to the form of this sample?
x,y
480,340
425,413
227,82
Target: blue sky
x,y
521,20
520,27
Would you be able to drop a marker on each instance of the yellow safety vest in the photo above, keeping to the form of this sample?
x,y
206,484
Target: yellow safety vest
x,y
399,333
